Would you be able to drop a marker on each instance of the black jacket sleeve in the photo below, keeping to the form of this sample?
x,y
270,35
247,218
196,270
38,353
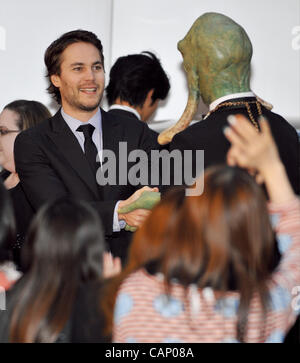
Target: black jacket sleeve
x,y
42,184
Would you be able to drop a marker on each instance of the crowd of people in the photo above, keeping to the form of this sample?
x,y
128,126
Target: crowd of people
x,y
222,266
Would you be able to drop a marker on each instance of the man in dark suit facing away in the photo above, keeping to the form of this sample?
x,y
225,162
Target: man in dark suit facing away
x,y
137,82
217,56
58,157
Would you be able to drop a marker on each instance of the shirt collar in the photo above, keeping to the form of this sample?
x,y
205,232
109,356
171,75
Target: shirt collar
x,y
214,104
126,108
73,123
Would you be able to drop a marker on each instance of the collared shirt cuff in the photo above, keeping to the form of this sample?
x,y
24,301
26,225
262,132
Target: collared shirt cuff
x,y
118,225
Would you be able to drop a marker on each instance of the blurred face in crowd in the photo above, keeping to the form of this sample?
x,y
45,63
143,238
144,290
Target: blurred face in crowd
x,y
81,79
8,134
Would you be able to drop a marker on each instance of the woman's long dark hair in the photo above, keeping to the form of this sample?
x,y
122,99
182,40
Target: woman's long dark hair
x,y
207,240
64,248
7,225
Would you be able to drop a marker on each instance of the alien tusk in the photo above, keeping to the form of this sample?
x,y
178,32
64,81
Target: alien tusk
x,y
167,135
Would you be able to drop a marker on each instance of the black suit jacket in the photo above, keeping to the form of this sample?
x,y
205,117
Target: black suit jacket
x,y
127,114
123,113
51,164
208,135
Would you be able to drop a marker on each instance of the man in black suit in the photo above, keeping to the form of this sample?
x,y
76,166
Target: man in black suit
x,y
217,55
137,83
58,157
208,135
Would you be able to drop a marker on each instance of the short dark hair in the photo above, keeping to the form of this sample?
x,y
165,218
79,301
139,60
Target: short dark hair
x,y
53,54
30,113
133,76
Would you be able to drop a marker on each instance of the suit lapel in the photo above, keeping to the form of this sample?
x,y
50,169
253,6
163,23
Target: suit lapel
x,y
66,142
111,132
111,136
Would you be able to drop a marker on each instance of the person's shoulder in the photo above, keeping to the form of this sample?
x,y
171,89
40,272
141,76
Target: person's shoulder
x,y
36,135
126,123
40,129
279,121
195,133
123,113
140,278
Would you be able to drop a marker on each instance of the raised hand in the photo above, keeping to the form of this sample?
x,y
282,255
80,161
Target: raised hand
x,y
250,149
111,266
257,152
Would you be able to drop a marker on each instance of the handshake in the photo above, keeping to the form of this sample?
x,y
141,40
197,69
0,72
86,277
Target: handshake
x,y
136,209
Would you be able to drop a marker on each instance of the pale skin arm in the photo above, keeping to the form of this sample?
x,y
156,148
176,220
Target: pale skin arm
x,y
138,216
257,151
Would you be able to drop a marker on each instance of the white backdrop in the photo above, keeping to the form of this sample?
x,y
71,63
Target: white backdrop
x,y
159,24
31,26
127,26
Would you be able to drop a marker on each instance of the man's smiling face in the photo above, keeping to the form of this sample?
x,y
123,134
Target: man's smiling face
x,y
81,80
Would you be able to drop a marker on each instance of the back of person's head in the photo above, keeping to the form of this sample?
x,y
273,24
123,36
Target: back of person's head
x,y
53,54
63,250
133,76
30,113
207,240
7,225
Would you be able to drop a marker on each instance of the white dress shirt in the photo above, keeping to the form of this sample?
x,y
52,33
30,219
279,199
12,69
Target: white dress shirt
x,y
216,102
126,108
97,138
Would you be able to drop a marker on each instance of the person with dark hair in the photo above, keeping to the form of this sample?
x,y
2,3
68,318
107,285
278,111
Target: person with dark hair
x,y
136,84
59,156
8,273
176,286
57,298
53,58
18,116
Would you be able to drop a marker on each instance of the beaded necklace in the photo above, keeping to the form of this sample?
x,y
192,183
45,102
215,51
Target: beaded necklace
x,y
241,103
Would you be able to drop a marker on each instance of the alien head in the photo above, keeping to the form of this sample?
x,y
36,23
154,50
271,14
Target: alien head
x,y
216,57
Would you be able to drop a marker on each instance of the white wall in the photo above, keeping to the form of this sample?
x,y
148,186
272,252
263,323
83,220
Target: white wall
x,y
31,26
159,24
27,28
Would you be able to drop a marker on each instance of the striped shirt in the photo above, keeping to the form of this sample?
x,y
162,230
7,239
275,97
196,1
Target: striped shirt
x,y
144,313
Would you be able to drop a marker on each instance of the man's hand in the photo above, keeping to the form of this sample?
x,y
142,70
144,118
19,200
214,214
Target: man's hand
x,y
137,216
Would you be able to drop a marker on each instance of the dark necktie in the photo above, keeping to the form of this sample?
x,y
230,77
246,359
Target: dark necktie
x,y
90,149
